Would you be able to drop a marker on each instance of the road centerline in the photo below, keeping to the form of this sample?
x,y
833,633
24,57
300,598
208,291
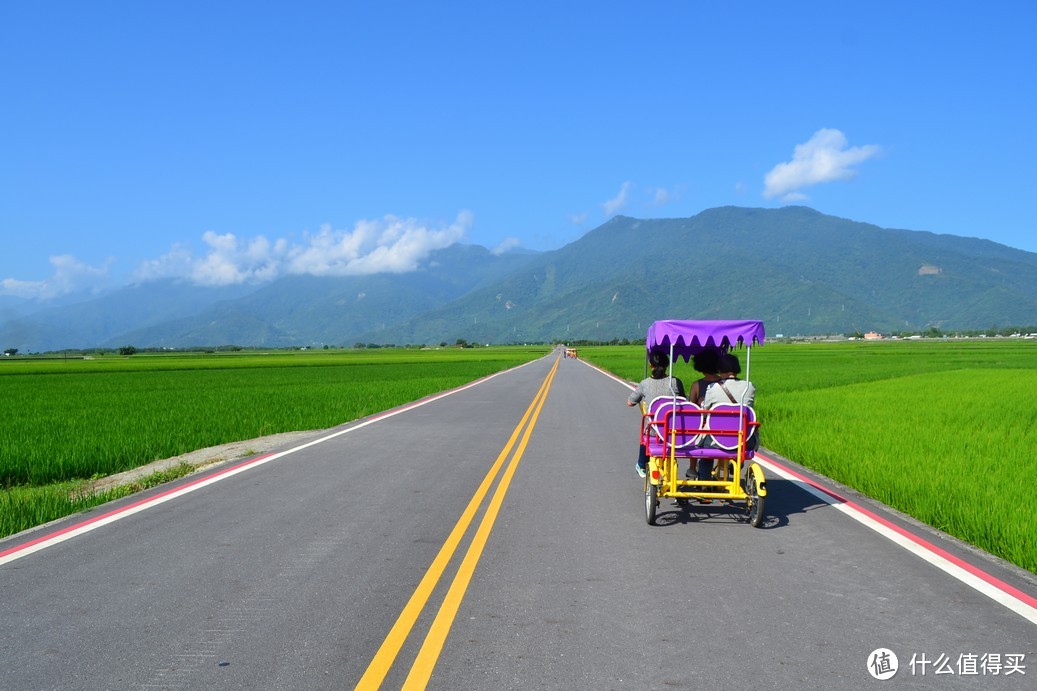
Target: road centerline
x,y
428,655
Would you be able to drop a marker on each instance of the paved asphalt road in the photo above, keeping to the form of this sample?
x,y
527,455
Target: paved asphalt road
x,y
289,571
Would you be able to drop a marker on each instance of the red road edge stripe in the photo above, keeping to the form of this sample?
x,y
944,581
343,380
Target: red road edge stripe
x,y
130,507
918,540
238,467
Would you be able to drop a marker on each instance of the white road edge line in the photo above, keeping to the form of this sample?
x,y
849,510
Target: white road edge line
x,y
986,584
49,540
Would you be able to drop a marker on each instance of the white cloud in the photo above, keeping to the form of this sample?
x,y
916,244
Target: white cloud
x,y
618,202
174,264
505,245
70,276
578,219
387,245
660,196
824,158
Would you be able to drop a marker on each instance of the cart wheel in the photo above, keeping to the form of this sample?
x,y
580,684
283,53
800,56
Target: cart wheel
x,y
651,501
754,503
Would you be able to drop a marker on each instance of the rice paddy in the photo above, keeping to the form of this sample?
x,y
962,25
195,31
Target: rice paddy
x,y
941,430
68,421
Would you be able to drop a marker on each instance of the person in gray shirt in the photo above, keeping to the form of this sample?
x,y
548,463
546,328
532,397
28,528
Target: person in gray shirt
x,y
729,388
659,384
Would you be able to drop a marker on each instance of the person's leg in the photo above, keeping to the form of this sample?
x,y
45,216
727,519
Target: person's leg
x,y
642,459
705,469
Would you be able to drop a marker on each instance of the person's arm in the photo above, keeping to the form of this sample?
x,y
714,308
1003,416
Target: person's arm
x,y
635,396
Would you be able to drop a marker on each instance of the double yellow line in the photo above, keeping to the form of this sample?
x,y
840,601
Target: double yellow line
x,y
421,670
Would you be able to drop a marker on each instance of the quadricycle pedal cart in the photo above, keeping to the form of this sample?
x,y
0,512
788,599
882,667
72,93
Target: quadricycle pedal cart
x,y
676,432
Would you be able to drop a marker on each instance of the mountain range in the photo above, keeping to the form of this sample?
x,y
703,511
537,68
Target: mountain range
x,y
800,271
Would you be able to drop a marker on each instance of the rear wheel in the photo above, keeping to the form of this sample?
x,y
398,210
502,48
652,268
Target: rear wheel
x,y
651,501
754,502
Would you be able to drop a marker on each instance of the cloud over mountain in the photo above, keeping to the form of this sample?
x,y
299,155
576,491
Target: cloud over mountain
x,y
386,245
70,275
612,206
823,158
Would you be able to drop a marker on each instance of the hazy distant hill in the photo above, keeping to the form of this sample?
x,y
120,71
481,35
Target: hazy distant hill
x,y
800,271
91,322
291,311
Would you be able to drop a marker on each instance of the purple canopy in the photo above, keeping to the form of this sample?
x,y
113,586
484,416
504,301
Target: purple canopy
x,y
690,337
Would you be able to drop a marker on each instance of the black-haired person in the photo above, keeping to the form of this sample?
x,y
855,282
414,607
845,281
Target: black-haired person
x,y
706,363
660,383
728,389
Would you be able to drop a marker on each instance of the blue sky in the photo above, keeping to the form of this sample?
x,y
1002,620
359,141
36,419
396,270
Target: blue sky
x,y
237,141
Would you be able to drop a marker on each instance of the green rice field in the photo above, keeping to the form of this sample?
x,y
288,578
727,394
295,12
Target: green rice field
x,y
941,430
68,421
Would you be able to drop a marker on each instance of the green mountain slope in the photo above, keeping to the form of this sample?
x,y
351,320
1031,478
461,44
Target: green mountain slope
x,y
800,271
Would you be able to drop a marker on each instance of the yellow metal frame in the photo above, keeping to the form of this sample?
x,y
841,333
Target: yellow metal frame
x,y
662,471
